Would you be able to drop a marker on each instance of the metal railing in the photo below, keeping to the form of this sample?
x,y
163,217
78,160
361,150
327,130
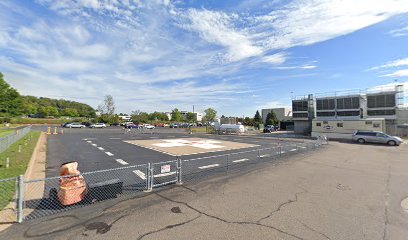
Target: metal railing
x,y
31,199
7,141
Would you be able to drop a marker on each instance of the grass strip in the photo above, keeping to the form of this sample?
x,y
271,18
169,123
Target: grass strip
x,y
18,162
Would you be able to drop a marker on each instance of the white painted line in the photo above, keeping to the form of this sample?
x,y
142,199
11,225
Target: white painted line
x,y
303,147
109,154
283,152
89,141
85,139
121,162
101,148
140,174
164,174
93,144
240,160
209,166
265,155
292,150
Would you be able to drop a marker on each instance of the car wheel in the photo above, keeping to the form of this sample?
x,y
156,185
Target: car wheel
x,y
360,140
391,143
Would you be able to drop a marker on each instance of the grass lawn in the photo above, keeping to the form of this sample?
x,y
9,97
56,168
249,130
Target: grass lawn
x,y
5,132
18,165
198,129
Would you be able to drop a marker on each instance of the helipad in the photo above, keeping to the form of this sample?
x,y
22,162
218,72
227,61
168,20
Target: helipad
x,y
188,146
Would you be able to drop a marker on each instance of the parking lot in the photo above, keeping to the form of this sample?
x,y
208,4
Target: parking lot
x,y
343,191
98,149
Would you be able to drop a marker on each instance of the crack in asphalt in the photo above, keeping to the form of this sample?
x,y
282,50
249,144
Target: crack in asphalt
x,y
168,227
281,206
313,230
387,198
226,221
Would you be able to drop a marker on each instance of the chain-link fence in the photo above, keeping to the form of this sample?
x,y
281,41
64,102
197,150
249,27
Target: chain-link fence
x,y
31,199
7,141
42,197
8,200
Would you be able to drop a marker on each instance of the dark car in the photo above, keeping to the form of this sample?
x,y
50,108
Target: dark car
x,y
269,129
114,124
131,125
87,124
65,124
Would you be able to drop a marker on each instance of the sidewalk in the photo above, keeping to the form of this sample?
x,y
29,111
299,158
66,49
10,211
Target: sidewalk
x,y
344,191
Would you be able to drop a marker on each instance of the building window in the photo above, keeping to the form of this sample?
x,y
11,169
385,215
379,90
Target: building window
x,y
368,122
339,124
318,124
376,125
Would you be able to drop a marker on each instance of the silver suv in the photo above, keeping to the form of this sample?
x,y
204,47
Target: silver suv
x,y
376,137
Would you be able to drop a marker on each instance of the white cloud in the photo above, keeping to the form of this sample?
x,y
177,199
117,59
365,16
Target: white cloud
x,y
296,67
307,22
275,59
400,32
391,64
218,28
398,73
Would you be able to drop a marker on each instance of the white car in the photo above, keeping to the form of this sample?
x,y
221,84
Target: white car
x,y
148,126
98,125
76,125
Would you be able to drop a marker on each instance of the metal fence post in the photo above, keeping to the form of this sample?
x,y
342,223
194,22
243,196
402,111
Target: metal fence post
x,y
179,171
151,177
20,198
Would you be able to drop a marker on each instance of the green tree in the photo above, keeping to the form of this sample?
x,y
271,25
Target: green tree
x,y
191,117
70,112
10,100
140,117
107,110
52,111
43,111
176,115
257,118
271,119
210,114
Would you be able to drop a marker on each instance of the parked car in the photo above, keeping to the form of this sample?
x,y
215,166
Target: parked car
x,y
98,125
65,124
159,125
125,123
269,129
173,125
87,124
115,124
376,137
131,125
148,126
75,125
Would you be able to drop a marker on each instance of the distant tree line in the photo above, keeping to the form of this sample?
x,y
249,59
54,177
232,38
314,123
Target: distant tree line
x,y
13,104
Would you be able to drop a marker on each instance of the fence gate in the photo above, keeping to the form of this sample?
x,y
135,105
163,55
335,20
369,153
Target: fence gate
x,y
164,173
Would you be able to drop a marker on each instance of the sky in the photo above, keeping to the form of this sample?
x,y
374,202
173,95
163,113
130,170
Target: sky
x,y
234,56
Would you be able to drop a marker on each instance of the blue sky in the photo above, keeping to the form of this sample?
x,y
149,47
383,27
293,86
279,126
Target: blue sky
x,y
234,56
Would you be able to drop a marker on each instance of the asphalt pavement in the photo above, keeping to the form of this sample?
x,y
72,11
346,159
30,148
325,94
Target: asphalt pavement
x,y
343,191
